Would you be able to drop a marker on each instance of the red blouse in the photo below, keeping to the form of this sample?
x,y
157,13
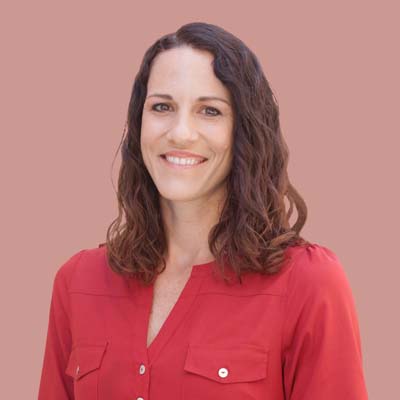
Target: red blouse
x,y
293,335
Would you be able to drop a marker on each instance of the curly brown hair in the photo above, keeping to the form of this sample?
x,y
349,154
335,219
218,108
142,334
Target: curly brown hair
x,y
253,230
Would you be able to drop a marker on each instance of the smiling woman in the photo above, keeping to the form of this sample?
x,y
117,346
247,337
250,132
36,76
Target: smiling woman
x,y
184,125
205,291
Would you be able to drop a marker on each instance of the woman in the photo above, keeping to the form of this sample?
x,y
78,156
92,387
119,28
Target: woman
x,y
205,291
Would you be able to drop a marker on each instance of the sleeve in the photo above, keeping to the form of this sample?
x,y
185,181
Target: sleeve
x,y
54,383
321,342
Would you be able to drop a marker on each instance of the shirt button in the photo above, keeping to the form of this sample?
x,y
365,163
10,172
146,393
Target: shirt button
x,y
142,369
140,398
77,370
223,372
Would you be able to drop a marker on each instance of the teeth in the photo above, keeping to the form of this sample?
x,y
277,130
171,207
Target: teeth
x,y
183,161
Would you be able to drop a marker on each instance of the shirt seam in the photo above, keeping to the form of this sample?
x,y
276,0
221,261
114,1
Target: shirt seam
x,y
242,295
285,308
76,291
79,256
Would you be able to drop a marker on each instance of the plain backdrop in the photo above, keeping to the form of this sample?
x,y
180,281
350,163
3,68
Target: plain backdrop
x,y
67,70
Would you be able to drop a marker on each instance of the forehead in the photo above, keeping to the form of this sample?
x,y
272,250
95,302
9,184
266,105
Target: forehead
x,y
185,71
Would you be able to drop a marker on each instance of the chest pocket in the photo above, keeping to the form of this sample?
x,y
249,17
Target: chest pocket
x,y
83,366
219,372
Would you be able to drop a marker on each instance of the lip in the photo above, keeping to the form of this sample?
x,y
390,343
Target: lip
x,y
181,153
176,166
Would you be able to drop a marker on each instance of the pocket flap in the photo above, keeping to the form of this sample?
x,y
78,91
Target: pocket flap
x,y
84,358
239,363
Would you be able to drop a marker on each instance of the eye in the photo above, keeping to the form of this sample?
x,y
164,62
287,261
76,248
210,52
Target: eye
x,y
214,113
154,107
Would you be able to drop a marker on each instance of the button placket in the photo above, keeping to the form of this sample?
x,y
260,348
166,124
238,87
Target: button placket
x,y
143,380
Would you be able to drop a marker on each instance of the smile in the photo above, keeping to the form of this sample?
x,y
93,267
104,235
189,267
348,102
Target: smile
x,y
181,163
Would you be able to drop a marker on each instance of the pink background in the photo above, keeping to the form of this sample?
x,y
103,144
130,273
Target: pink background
x,y
67,74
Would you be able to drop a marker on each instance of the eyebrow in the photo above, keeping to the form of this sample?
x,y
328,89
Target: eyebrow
x,y
201,98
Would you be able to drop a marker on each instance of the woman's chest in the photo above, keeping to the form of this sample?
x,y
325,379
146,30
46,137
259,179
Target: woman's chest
x,y
166,293
182,340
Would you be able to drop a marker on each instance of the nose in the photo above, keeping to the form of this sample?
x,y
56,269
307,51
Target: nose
x,y
182,130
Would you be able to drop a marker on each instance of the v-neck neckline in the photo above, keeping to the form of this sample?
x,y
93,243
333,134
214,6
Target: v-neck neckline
x,y
176,315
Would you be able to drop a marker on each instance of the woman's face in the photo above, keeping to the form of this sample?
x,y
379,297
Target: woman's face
x,y
176,119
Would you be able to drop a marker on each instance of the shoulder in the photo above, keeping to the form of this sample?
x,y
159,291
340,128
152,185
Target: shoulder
x,y
88,271
318,294
316,273
66,269
316,267
86,259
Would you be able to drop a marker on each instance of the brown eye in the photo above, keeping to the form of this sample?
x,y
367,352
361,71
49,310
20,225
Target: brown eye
x,y
214,113
154,107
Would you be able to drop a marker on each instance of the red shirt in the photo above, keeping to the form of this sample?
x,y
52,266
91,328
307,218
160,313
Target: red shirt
x,y
292,336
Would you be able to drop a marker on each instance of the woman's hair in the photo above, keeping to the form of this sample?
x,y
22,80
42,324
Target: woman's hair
x,y
253,230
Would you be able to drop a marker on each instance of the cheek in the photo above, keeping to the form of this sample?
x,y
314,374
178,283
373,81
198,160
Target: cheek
x,y
153,123
146,146
222,141
218,133
149,133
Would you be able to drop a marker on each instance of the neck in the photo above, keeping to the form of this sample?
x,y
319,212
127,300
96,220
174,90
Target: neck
x,y
187,225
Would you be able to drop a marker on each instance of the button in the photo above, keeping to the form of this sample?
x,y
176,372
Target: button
x,y
77,370
140,398
142,369
223,372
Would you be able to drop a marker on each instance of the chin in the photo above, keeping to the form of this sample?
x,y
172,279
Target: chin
x,y
178,195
